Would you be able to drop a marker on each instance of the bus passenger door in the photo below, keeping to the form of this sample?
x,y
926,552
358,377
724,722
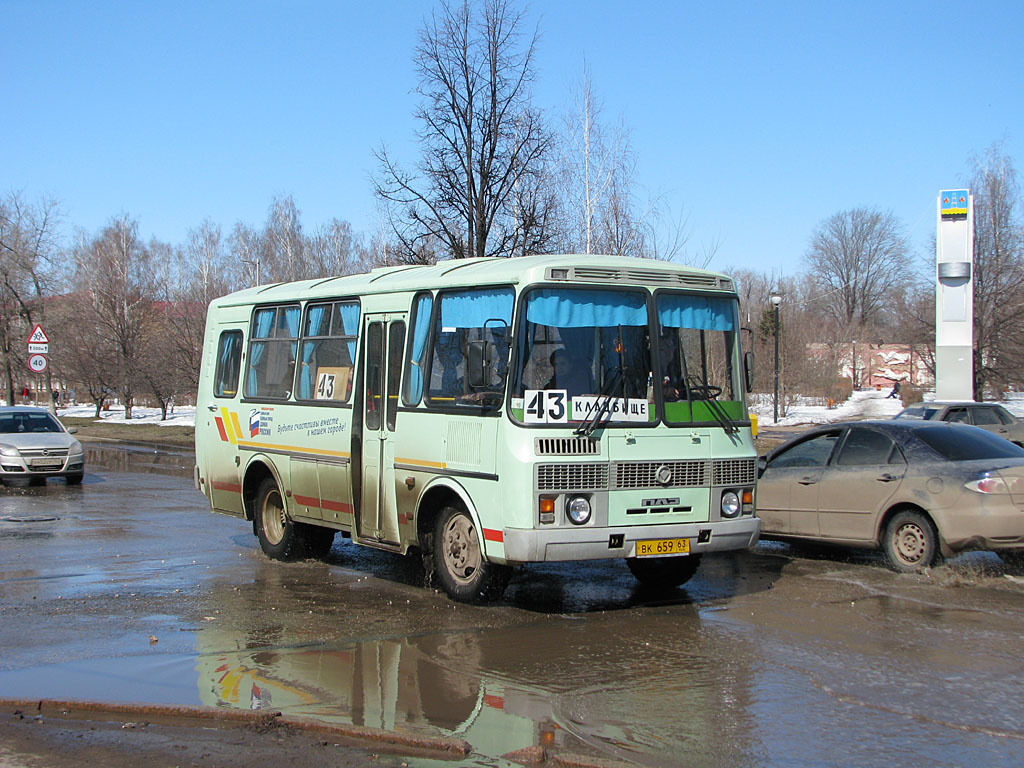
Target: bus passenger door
x,y
383,349
218,425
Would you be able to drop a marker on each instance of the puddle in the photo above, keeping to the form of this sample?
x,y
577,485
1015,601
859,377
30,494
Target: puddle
x,y
387,684
502,691
130,458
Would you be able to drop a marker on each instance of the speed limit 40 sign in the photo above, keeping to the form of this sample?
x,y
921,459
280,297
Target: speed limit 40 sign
x,y
37,363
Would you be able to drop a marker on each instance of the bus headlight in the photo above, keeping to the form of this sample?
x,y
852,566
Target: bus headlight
x,y
578,510
730,504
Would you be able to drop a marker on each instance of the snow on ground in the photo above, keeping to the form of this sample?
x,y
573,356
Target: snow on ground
x,y
863,404
182,416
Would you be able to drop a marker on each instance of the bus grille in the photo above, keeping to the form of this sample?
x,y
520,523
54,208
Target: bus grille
x,y
644,474
567,446
572,477
735,471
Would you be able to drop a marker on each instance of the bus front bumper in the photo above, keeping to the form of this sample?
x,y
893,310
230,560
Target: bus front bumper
x,y
558,544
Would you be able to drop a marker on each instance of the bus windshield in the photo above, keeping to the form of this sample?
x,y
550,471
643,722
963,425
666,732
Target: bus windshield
x,y
584,349
699,358
580,346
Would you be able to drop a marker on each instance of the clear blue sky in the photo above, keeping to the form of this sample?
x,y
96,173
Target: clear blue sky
x,y
755,119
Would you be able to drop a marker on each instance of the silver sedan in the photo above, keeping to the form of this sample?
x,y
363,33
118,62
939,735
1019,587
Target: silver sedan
x,y
35,445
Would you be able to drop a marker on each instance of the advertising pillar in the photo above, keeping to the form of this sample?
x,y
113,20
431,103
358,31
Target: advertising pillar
x,y
954,296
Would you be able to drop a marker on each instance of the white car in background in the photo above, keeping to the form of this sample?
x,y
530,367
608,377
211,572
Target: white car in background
x,y
34,445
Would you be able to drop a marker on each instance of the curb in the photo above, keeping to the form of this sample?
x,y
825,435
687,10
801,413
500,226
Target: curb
x,y
207,716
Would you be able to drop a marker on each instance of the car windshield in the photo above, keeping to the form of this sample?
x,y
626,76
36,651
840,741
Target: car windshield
x,y
15,423
967,443
918,412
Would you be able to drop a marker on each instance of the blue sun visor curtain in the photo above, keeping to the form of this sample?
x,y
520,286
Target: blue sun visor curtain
x,y
473,309
707,313
586,309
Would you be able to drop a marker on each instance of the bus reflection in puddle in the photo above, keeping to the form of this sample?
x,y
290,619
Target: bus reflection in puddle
x,y
392,685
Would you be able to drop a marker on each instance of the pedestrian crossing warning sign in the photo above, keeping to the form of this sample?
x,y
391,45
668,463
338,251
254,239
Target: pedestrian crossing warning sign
x,y
38,336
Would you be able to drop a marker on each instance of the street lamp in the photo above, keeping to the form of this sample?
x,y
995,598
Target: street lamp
x,y
775,299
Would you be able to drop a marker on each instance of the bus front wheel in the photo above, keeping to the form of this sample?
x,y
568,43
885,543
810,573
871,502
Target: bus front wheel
x,y
279,536
663,572
459,560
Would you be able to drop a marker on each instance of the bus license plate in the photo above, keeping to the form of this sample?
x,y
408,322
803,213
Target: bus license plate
x,y
658,547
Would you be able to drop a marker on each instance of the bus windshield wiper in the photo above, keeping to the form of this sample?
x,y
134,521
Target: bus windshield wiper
x,y
707,394
603,408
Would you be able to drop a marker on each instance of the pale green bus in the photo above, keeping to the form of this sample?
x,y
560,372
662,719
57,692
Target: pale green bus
x,y
486,413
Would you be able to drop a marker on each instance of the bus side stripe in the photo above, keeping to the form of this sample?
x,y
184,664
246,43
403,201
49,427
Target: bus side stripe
x,y
226,416
333,506
220,428
234,423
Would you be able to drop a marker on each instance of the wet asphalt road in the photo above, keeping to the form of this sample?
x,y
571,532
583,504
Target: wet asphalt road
x,y
127,589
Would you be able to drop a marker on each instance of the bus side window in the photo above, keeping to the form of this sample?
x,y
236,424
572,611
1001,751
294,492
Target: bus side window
x,y
229,361
328,349
417,361
272,346
465,317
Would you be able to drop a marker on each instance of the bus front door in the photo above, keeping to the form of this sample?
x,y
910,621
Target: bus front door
x,y
384,346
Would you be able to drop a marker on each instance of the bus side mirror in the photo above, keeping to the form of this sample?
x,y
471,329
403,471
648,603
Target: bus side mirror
x,y
748,369
479,363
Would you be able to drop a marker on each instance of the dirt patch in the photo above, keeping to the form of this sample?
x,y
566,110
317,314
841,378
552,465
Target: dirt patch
x,y
91,429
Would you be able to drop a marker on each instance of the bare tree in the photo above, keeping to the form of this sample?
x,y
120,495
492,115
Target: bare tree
x,y
597,171
859,258
998,274
115,270
81,354
245,246
284,245
335,250
27,249
479,136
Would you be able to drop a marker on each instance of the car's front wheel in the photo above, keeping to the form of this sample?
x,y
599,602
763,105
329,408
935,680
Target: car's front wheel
x,y
911,542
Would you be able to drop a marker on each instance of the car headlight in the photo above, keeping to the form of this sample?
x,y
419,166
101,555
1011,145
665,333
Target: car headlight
x,y
9,450
730,504
578,510
76,447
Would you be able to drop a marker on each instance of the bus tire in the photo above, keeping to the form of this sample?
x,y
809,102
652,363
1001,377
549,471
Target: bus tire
x,y
459,560
317,540
663,572
279,537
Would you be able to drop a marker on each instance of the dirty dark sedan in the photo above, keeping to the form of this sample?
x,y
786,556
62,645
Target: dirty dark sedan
x,y
918,490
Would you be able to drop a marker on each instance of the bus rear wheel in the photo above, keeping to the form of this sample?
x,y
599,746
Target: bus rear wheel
x,y
663,572
459,560
280,538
